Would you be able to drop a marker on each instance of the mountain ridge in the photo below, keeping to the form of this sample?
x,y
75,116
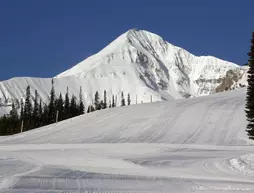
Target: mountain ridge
x,y
140,63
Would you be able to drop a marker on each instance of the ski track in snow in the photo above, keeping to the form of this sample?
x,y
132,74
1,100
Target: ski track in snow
x,y
195,145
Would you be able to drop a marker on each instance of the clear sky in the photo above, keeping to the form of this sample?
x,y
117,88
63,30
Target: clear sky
x,y
42,38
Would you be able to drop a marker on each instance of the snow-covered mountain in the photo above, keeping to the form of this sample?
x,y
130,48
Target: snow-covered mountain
x,y
142,64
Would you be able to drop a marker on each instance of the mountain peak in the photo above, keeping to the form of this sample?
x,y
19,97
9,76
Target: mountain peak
x,y
143,64
144,58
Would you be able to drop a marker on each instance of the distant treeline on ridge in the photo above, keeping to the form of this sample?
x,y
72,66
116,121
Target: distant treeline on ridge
x,y
34,113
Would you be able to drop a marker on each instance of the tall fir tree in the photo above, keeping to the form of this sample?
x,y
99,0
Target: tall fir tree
x,y
81,103
35,117
250,93
60,107
4,124
27,110
97,101
122,100
21,110
102,104
14,113
73,107
52,107
129,99
110,105
13,119
113,101
105,103
67,113
45,115
90,109
40,114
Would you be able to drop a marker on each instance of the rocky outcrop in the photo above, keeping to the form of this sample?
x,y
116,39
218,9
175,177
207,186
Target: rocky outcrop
x,y
230,81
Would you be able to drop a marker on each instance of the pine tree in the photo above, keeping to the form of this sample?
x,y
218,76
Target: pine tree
x,y
129,99
105,104
67,105
250,93
101,104
73,107
13,119
21,110
81,104
14,113
60,107
90,109
45,117
113,101
35,117
4,125
40,114
27,110
97,101
122,100
110,105
52,107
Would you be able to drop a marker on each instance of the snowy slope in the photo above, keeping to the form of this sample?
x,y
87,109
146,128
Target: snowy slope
x,y
157,147
140,63
217,119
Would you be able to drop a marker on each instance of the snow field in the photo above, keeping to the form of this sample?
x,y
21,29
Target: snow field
x,y
194,145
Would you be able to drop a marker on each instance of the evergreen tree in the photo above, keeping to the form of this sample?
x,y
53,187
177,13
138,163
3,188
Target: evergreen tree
x,y
13,113
101,104
81,104
129,99
4,125
13,119
27,110
45,115
60,107
105,104
40,114
97,101
52,107
110,105
67,105
21,110
90,109
35,117
250,93
113,101
122,100
73,107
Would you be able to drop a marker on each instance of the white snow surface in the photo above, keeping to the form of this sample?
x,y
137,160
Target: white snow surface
x,y
190,145
138,62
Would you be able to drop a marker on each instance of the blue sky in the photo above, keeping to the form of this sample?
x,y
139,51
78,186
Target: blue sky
x,y
44,38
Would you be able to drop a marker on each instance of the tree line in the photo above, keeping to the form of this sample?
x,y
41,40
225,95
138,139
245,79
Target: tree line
x,y
249,106
34,113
